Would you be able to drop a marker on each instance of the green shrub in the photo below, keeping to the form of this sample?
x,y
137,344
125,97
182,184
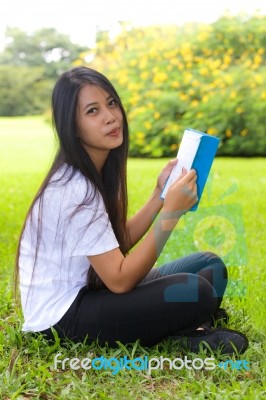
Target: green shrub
x,y
207,77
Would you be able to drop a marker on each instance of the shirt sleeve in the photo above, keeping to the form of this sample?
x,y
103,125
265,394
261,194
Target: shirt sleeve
x,y
88,228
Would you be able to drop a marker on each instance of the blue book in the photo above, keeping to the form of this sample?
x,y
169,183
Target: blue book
x,y
197,151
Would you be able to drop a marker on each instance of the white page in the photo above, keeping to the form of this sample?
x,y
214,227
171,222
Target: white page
x,y
186,153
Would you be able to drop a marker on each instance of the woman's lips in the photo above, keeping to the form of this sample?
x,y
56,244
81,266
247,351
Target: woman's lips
x,y
114,132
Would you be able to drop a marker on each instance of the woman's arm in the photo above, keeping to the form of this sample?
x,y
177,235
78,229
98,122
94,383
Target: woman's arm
x,y
139,224
121,274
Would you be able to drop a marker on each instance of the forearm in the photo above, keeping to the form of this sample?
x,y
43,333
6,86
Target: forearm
x,y
121,274
139,262
139,224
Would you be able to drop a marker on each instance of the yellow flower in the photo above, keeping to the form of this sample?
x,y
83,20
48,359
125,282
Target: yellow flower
x,y
228,79
203,71
233,94
263,95
175,84
212,131
259,79
195,83
257,59
123,78
248,63
156,115
187,76
140,110
202,36
147,124
227,59
240,110
150,106
194,103
132,86
134,100
132,63
174,61
160,77
228,133
144,75
173,146
244,132
78,63
214,64
140,138
143,63
183,96
206,51
140,135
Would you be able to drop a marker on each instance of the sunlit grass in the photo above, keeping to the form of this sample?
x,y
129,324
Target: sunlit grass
x,y
235,193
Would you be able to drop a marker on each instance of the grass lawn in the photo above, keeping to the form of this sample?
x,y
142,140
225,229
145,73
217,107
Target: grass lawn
x,y
230,220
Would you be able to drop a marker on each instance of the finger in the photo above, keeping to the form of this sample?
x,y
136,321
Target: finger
x,y
169,166
182,175
173,162
189,176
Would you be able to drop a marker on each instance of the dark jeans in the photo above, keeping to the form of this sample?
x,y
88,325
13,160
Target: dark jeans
x,y
175,298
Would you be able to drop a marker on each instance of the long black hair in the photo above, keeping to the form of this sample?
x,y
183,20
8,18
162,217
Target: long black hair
x,y
111,183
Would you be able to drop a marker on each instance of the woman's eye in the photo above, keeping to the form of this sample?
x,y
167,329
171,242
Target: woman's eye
x,y
113,103
92,110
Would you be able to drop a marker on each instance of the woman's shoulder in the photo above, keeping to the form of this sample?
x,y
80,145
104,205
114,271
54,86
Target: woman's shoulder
x,y
70,182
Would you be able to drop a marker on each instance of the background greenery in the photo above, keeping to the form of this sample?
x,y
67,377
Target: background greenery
x,y
29,66
207,77
235,192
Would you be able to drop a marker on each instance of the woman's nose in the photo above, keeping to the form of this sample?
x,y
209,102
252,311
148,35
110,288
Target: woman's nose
x,y
109,117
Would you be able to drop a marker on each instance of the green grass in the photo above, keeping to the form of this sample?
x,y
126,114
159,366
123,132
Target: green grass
x,y
234,203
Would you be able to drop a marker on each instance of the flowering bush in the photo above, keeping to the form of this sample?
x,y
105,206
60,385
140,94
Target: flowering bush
x,y
207,77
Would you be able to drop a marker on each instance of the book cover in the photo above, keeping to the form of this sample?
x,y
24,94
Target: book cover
x,y
197,151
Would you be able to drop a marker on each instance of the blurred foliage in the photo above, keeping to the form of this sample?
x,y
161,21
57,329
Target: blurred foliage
x,y
46,48
207,77
29,66
23,90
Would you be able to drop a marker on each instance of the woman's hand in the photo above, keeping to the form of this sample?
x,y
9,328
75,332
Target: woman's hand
x,y
182,194
164,175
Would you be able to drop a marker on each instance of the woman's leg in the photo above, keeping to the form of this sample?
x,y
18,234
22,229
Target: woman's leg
x,y
206,264
151,312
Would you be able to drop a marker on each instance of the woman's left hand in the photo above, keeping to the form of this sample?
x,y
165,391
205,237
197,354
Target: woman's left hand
x,y
162,178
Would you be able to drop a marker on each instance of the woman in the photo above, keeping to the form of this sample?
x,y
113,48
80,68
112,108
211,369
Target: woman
x,y
76,272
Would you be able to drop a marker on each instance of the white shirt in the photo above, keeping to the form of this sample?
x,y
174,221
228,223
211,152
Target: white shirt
x,y
49,288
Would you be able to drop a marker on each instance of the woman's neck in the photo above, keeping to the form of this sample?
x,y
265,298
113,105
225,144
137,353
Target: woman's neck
x,y
98,158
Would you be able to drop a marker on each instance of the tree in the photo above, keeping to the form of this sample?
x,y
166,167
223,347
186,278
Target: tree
x,y
208,77
45,48
29,66
23,90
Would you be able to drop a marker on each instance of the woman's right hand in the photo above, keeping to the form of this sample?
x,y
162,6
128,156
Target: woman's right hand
x,y
182,194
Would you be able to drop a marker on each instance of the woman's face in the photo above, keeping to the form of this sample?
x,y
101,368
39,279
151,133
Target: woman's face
x,y
99,121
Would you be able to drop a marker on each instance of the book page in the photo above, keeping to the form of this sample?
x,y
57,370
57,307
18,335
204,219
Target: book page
x,y
186,153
